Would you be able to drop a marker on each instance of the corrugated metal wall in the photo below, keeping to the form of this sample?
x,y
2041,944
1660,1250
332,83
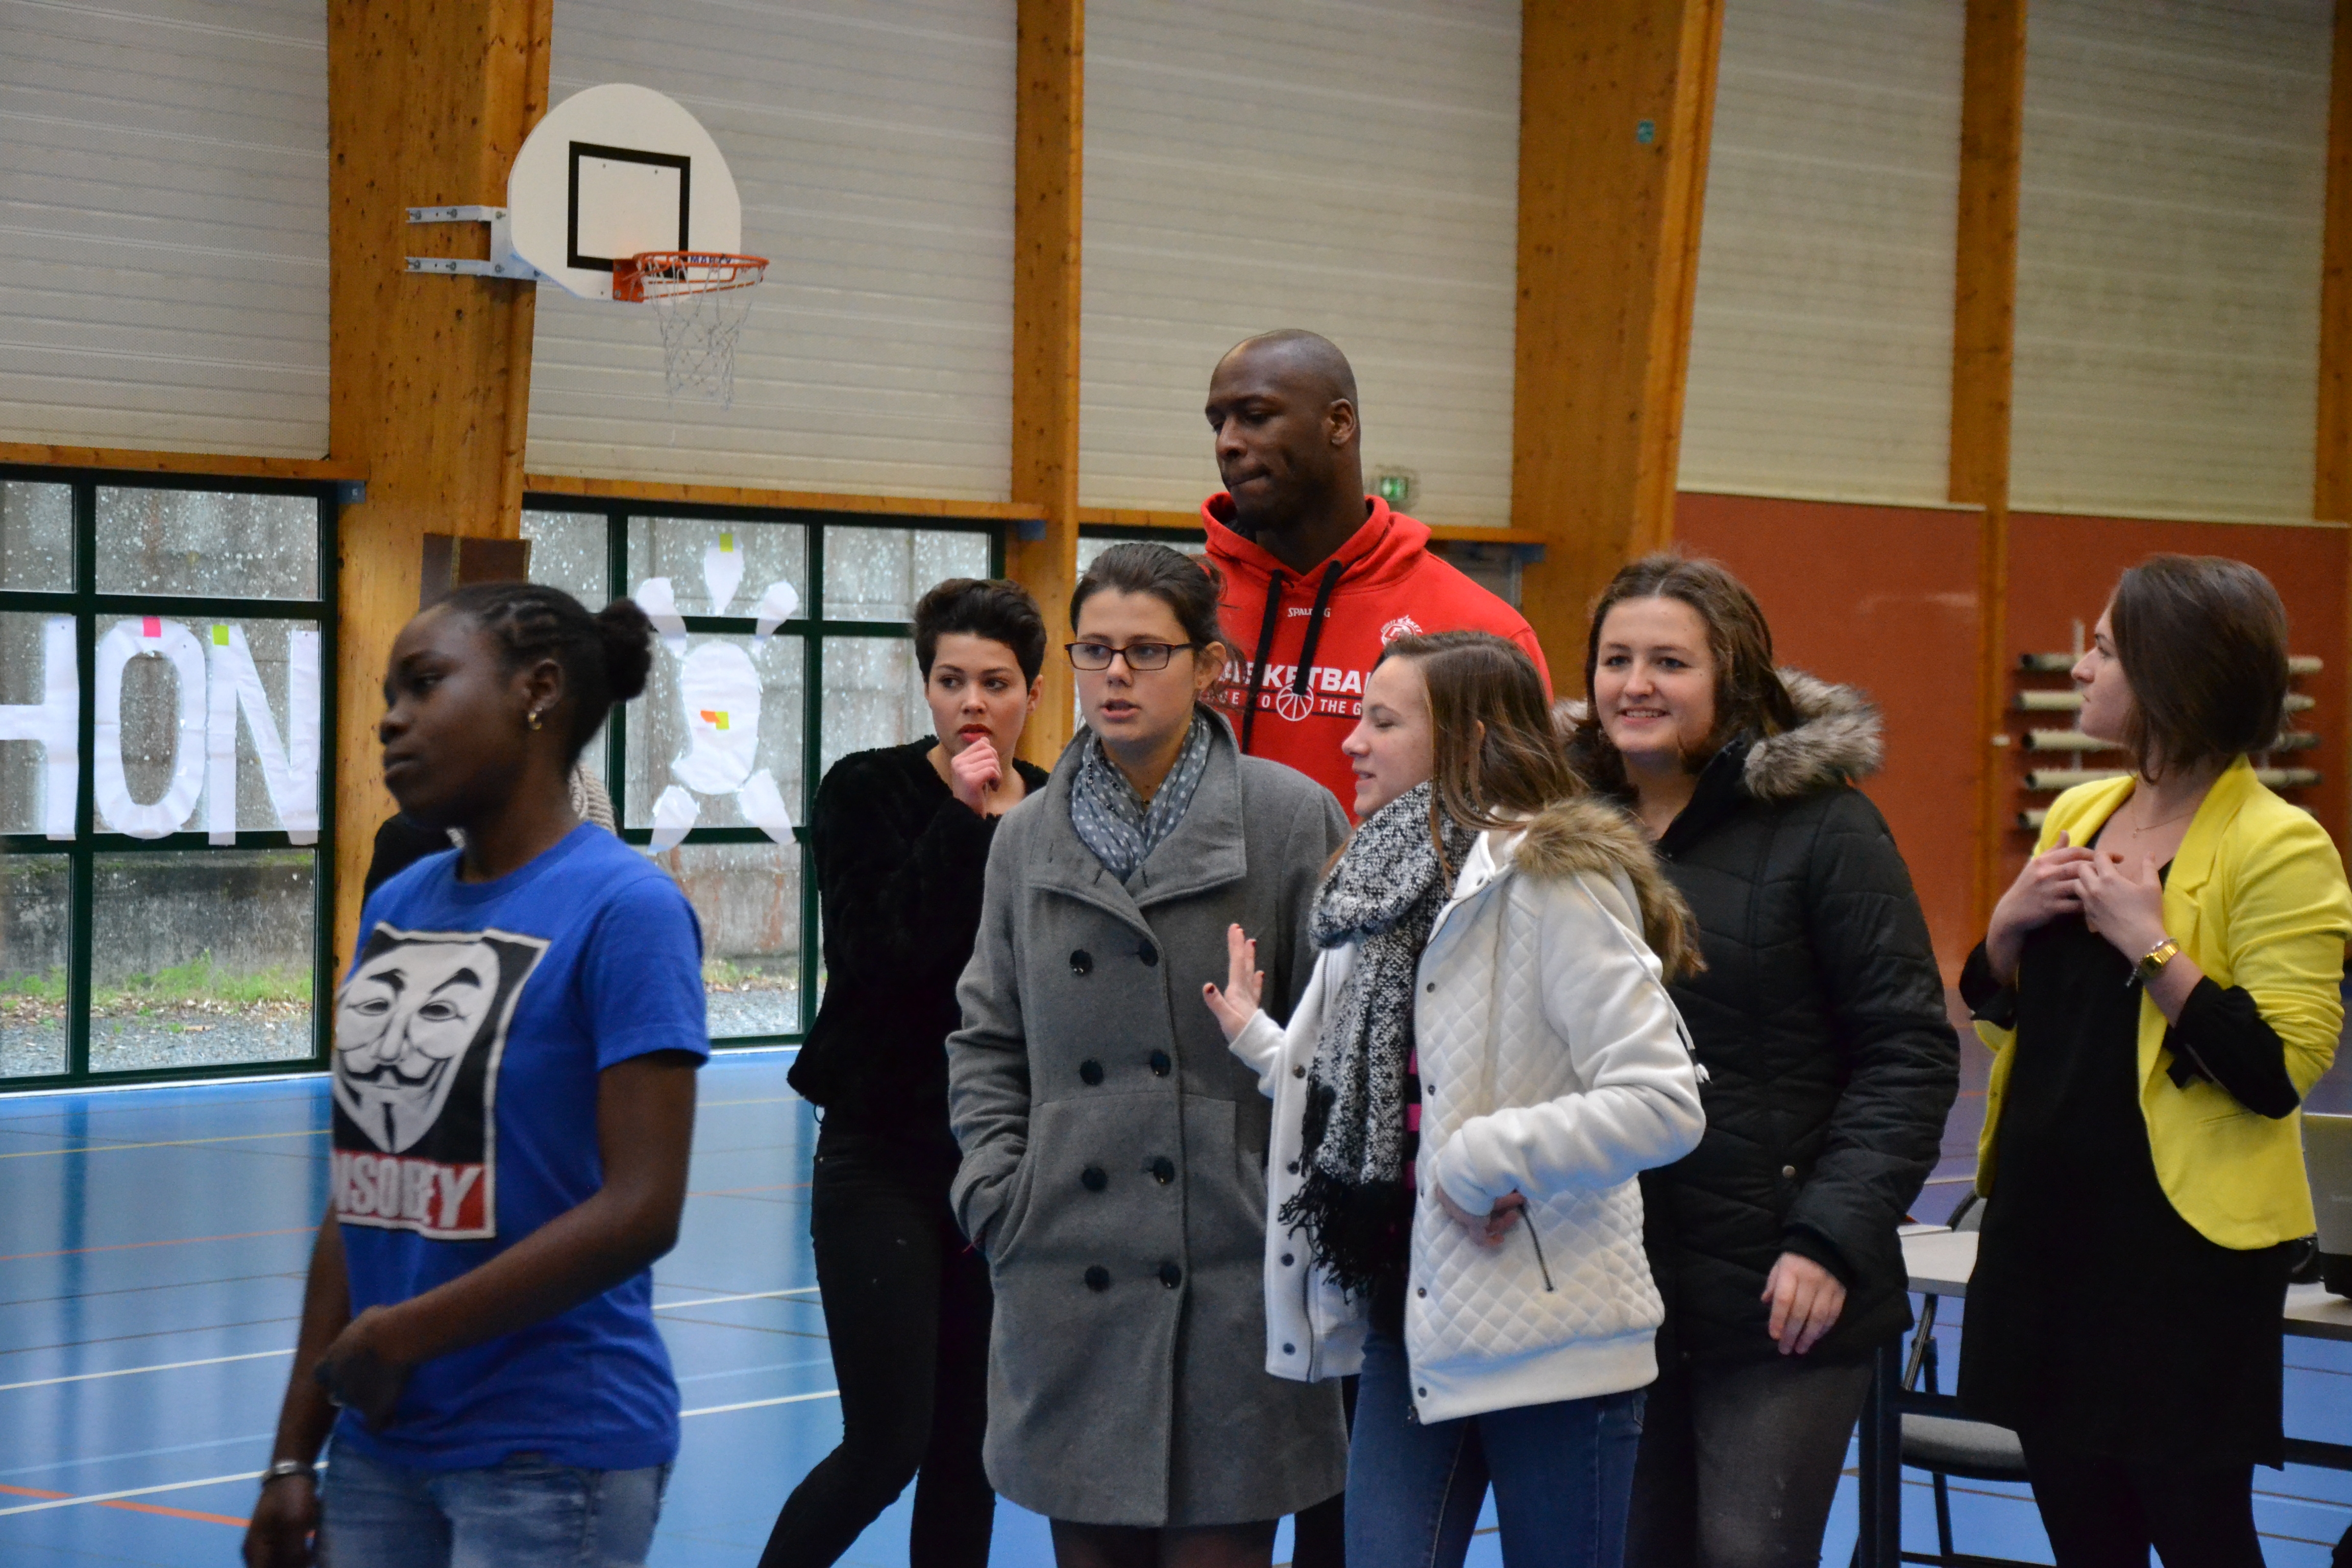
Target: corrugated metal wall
x,y
1821,355
164,225
2168,255
1351,170
872,142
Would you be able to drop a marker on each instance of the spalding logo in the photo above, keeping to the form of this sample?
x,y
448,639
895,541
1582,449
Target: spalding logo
x,y
1402,626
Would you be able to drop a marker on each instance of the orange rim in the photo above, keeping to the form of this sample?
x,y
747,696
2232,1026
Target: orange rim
x,y
661,274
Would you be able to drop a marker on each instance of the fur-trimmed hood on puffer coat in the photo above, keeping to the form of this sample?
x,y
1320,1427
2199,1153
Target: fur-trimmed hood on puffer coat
x,y
1552,1064
1831,1062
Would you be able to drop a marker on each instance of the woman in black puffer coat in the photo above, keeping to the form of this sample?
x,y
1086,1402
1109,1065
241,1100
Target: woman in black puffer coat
x,y
1830,1062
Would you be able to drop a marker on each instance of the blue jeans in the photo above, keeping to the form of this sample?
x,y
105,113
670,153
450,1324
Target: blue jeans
x,y
1562,1475
521,1513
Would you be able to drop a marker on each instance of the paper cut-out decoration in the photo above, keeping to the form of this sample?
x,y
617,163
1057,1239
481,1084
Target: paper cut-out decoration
x,y
763,807
722,719
54,724
674,814
722,571
149,637
291,772
656,598
774,608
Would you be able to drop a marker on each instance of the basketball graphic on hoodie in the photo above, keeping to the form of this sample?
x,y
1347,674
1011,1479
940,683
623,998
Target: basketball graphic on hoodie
x,y
1306,643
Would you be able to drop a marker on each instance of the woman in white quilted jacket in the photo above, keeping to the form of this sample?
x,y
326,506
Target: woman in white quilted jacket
x,y
1483,1060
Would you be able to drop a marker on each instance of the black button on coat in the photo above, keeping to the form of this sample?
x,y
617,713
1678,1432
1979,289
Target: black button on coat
x,y
1820,1020
1115,1405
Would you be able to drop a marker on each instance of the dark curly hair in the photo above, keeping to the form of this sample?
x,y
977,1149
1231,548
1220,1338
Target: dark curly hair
x,y
982,607
604,657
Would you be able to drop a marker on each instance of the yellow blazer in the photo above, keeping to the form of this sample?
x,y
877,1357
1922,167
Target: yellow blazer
x,y
2257,898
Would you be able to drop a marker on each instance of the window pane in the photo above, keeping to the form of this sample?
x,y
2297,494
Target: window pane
x,y
877,573
747,896
872,695
36,536
678,548
658,733
35,894
201,956
24,667
567,552
207,541
152,743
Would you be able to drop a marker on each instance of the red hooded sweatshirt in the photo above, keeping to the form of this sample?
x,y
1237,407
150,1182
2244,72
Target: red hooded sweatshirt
x,y
1308,670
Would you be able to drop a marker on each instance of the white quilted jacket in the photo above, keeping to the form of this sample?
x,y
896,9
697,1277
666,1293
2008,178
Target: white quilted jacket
x,y
1552,1064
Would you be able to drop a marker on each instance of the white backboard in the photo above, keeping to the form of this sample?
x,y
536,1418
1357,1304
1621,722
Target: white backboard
x,y
617,171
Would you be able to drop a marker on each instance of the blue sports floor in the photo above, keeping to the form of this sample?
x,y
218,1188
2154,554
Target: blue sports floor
x,y
151,1250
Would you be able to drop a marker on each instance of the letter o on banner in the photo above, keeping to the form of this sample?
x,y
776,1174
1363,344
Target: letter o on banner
x,y
149,636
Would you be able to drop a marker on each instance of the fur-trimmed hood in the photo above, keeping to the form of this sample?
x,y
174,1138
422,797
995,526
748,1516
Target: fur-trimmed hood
x,y
1595,835
1837,740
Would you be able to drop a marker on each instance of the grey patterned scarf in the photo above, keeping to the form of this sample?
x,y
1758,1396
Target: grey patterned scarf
x,y
1385,893
1112,820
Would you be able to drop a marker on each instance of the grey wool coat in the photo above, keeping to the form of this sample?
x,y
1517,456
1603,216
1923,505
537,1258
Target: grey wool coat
x,y
1114,1158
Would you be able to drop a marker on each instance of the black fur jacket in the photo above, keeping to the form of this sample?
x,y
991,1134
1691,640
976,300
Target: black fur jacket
x,y
899,866
1819,1019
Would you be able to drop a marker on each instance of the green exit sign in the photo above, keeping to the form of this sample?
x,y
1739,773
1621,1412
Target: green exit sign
x,y
1397,487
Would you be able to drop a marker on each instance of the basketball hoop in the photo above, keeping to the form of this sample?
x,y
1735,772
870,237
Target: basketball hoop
x,y
697,300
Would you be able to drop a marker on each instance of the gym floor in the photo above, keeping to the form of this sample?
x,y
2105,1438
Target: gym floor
x,y
151,1253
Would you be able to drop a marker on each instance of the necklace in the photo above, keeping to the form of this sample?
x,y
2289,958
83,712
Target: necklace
x,y
2152,827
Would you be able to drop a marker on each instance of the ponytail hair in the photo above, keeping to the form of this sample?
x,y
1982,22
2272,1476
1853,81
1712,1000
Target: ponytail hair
x,y
604,657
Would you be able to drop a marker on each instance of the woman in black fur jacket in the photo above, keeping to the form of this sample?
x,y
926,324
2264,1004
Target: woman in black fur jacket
x,y
901,838
1830,1062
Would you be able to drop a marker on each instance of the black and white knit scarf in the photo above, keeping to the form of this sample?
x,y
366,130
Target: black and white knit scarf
x,y
1385,893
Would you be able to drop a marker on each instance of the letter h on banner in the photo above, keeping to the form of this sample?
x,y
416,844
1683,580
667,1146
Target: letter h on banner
x,y
52,723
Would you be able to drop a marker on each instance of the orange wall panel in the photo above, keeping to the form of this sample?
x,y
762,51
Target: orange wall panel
x,y
1884,598
2062,569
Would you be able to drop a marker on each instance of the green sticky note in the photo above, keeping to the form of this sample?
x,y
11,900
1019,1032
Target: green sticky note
x,y
727,541
220,635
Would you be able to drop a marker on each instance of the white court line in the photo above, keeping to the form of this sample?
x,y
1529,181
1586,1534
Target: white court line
x,y
134,1491
723,1409
256,1475
746,1296
133,1371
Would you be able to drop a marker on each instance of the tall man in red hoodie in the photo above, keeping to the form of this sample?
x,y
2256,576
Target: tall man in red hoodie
x,y
1319,575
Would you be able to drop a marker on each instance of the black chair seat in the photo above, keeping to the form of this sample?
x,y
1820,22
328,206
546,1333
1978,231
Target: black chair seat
x,y
1977,1450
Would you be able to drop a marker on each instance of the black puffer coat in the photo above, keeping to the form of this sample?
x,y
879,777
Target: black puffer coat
x,y
1820,1020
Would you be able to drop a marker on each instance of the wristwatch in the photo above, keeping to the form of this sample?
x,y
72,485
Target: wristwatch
x,y
2152,963
281,1468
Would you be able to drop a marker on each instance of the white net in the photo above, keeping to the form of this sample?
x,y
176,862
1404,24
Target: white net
x,y
699,332
700,300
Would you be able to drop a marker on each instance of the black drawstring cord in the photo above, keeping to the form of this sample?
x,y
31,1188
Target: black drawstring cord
x,y
1529,1220
1315,625
1257,665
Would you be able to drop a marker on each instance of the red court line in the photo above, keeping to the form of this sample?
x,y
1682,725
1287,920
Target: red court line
x,y
177,1241
135,1507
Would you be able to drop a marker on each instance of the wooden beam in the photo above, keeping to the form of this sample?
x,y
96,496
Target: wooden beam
x,y
219,465
2332,486
428,100
1616,102
1984,345
1137,517
660,490
1049,134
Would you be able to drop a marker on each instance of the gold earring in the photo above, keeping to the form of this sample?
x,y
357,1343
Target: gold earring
x,y
534,718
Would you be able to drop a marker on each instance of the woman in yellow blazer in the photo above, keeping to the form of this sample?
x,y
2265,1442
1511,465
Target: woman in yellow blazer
x,y
2159,987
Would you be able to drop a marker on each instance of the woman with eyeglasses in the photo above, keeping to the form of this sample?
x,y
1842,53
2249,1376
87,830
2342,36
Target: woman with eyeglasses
x,y
1114,1150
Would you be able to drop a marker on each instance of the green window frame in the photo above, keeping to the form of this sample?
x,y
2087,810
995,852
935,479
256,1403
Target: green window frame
x,y
95,848
810,625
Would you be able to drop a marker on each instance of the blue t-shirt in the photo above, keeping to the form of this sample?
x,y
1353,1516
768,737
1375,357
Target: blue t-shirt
x,y
469,1035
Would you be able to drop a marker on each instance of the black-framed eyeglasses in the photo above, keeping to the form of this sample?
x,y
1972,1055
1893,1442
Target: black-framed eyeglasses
x,y
1139,655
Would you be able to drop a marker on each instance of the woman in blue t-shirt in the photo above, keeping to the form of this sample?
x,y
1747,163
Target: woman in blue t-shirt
x,y
513,1100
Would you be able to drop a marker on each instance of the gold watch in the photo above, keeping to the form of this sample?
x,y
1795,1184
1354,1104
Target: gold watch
x,y
2152,963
